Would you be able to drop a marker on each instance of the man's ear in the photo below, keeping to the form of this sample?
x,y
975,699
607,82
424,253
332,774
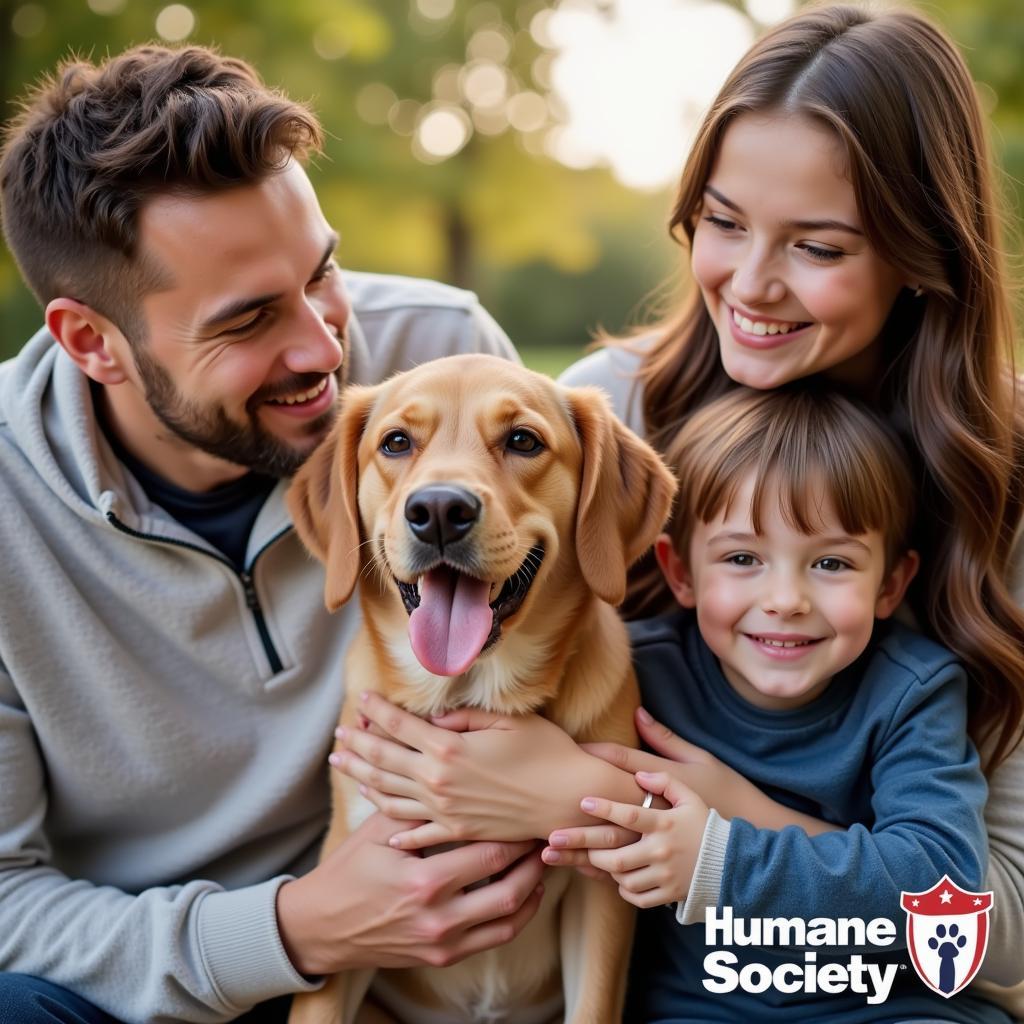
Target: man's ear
x,y
894,586
323,498
676,572
89,338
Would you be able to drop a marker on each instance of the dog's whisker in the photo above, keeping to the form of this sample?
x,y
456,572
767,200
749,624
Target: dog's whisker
x,y
356,552
384,574
377,570
366,574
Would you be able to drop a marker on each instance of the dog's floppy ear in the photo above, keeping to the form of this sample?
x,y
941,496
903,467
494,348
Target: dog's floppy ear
x,y
323,498
625,495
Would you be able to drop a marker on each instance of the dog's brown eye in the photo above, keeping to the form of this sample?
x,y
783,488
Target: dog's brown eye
x,y
396,443
524,442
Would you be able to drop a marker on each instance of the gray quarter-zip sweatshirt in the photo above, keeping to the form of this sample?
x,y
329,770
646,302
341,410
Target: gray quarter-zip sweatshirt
x,y
165,719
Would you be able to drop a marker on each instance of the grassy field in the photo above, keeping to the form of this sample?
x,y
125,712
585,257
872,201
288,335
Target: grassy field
x,y
550,359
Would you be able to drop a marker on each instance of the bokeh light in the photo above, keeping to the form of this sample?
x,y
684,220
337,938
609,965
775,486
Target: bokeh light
x,y
440,133
541,70
107,7
374,101
28,21
635,79
987,97
494,44
480,15
484,83
540,28
567,148
446,84
175,23
402,117
527,111
490,120
767,12
330,41
435,10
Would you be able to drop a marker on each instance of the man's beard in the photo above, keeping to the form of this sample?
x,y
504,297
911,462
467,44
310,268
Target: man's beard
x,y
210,429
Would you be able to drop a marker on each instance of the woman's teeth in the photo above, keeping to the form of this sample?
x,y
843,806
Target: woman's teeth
x,y
762,327
300,396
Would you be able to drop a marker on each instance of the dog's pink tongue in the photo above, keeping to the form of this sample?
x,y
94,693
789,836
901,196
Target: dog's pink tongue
x,y
451,625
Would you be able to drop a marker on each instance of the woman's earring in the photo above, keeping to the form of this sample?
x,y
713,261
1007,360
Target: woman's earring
x,y
918,292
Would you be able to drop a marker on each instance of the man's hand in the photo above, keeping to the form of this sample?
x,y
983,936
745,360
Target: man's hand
x,y
370,905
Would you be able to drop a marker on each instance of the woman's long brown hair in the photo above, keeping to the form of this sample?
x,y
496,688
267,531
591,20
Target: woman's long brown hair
x,y
899,98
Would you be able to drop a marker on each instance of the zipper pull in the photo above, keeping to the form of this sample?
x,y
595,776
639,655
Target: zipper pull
x,y
250,590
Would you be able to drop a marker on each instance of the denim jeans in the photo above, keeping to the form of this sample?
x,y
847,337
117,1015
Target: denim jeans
x,y
27,1000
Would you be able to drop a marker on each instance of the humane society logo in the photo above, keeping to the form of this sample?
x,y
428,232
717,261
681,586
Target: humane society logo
x,y
947,937
947,934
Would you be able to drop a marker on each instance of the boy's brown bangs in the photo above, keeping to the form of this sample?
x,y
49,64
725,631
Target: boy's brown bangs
x,y
814,454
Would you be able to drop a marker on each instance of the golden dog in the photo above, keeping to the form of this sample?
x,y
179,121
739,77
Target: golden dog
x,y
494,515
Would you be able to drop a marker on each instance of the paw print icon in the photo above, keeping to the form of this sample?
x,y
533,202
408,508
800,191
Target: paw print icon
x,y
947,934
947,943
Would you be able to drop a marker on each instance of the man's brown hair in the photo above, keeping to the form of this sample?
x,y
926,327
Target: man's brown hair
x,y
93,142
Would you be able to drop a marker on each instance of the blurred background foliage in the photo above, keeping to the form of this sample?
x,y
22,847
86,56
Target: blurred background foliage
x,y
447,155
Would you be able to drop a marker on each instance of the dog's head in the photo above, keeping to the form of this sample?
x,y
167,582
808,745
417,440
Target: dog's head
x,y
470,485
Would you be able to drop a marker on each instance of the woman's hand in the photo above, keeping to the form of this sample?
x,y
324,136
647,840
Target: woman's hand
x,y
472,774
717,784
658,867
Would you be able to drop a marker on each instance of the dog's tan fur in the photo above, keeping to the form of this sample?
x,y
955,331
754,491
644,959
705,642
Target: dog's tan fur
x,y
595,496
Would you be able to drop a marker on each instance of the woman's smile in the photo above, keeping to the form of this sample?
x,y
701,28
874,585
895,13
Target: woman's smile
x,y
787,275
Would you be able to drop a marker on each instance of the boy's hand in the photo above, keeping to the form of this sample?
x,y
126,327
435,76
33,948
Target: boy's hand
x,y
658,867
718,785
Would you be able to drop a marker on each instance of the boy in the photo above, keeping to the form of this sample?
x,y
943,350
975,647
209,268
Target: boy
x,y
788,553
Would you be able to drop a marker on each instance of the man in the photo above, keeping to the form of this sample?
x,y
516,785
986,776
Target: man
x,y
169,680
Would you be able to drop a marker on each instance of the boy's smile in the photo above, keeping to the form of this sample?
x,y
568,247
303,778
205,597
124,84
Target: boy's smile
x,y
783,611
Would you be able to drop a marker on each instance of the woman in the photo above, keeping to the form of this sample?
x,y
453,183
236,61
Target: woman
x,y
841,222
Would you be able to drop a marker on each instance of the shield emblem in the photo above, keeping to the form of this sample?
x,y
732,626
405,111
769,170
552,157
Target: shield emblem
x,y
947,934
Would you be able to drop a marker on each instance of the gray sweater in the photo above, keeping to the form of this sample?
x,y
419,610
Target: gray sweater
x,y
159,780
614,369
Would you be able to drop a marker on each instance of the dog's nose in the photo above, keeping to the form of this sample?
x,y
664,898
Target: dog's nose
x,y
442,513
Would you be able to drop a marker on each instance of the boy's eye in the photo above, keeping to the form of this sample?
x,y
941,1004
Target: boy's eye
x,y
742,559
831,564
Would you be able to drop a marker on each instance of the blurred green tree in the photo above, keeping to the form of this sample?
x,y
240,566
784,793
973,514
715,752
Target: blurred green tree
x,y
437,113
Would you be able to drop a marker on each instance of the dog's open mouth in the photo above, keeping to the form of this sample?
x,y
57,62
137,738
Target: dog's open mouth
x,y
451,621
